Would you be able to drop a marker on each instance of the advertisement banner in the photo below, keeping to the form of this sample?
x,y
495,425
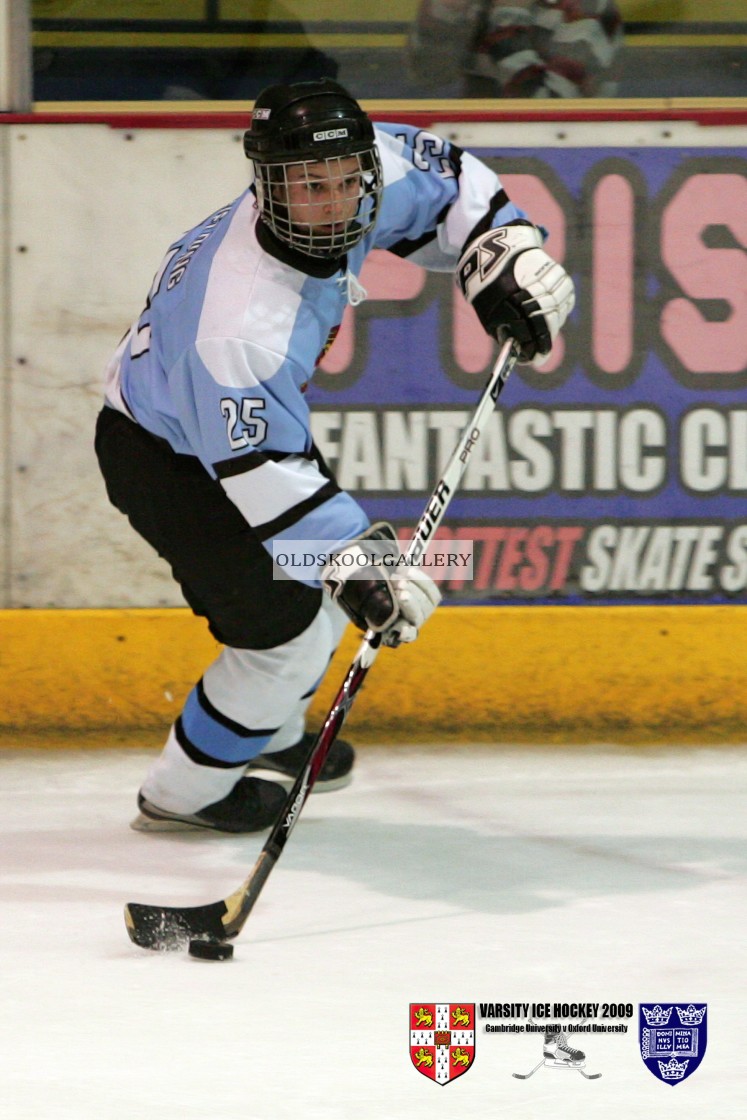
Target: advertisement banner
x,y
618,472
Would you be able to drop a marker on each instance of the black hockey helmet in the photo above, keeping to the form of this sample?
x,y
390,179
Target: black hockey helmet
x,y
313,126
306,119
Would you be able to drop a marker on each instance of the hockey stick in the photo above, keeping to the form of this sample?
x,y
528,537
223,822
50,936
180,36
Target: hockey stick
x,y
572,1069
172,927
559,1065
526,1076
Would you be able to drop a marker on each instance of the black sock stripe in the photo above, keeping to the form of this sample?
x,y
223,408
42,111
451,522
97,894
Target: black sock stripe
x,y
196,755
225,721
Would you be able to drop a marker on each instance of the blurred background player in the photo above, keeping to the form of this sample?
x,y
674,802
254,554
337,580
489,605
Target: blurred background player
x,y
523,48
204,440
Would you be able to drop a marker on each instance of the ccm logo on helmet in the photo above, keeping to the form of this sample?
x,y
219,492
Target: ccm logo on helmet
x,y
331,134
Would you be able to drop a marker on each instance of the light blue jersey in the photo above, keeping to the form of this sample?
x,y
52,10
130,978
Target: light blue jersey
x,y
218,362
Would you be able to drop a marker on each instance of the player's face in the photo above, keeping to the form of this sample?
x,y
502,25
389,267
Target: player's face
x,y
325,195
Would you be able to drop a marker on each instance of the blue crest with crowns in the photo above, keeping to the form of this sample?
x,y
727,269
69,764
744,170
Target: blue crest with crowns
x,y
672,1038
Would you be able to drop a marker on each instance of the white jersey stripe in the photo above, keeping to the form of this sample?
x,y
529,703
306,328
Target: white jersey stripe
x,y
266,492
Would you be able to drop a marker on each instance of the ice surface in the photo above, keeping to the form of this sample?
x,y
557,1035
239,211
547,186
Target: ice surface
x,y
479,874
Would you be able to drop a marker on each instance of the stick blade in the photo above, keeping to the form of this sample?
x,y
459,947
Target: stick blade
x,y
168,928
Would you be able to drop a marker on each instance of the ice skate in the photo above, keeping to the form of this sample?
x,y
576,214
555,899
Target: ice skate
x,y
251,806
335,774
559,1054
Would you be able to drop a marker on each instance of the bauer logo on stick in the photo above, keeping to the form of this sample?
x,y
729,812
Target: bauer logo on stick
x,y
442,1039
672,1039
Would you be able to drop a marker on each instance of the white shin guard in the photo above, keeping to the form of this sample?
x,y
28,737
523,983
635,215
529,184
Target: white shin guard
x,y
256,689
295,725
274,687
179,785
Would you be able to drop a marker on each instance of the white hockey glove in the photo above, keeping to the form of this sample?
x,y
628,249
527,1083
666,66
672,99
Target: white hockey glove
x,y
376,591
516,288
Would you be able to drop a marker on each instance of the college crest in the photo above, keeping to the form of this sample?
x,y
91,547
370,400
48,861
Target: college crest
x,y
672,1038
442,1039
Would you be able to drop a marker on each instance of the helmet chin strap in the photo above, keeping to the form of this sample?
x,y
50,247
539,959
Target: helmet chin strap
x,y
356,292
321,267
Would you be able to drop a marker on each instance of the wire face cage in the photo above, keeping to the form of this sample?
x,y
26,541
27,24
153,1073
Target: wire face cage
x,y
320,207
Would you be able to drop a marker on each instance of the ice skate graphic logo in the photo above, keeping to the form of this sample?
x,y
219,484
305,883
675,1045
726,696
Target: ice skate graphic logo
x,y
442,1039
557,1053
672,1039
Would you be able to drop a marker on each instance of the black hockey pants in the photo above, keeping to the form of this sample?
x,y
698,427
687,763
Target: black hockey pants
x,y
222,567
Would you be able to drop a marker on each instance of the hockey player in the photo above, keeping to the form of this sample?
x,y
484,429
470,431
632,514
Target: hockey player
x,y
204,439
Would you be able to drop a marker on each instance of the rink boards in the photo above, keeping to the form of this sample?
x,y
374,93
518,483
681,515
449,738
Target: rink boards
x,y
545,674
607,504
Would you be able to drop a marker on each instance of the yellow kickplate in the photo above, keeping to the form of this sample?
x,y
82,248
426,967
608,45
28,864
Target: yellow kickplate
x,y
532,672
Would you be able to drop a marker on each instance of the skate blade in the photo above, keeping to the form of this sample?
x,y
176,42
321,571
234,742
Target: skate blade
x,y
141,823
550,1063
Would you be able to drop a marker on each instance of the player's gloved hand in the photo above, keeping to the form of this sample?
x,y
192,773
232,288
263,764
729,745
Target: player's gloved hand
x,y
376,591
516,288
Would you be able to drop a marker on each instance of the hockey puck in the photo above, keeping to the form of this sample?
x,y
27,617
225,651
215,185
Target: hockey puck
x,y
210,950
